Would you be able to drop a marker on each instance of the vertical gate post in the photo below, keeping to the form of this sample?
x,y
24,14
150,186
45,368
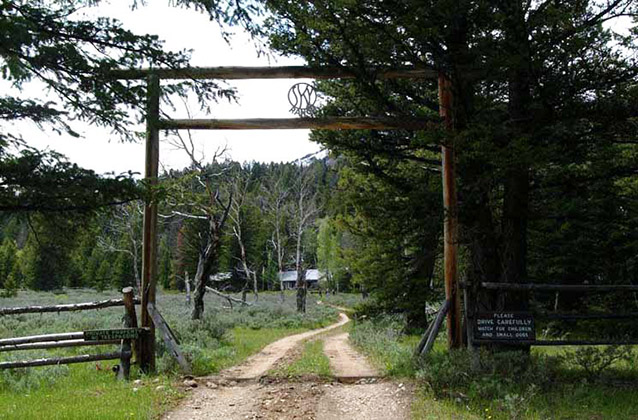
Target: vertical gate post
x,y
149,245
450,228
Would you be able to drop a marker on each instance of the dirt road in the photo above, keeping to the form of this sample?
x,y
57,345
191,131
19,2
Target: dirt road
x,y
256,366
237,394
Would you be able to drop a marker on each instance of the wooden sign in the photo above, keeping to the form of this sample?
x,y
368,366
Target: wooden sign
x,y
109,335
504,326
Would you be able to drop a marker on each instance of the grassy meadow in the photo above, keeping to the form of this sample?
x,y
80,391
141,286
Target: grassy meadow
x,y
224,337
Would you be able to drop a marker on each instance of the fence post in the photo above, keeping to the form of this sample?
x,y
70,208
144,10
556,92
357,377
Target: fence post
x,y
125,361
130,318
129,321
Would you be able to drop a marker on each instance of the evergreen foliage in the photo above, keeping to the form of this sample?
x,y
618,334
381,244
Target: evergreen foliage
x,y
544,130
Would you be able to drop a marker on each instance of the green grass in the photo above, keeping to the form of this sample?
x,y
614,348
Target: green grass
x,y
345,300
550,385
244,342
427,407
85,393
385,345
313,362
222,339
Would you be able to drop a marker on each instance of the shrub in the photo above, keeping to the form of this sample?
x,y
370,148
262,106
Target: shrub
x,y
25,380
594,361
487,375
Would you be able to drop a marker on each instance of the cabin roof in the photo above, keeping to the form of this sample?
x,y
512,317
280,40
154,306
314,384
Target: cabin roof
x,y
311,275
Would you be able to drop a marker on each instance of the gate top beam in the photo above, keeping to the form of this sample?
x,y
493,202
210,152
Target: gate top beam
x,y
283,72
326,123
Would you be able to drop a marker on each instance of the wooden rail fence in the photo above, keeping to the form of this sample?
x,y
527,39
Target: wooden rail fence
x,y
127,336
71,307
544,315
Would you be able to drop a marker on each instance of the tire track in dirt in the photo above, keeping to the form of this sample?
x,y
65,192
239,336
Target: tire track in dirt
x,y
223,397
256,366
365,398
346,363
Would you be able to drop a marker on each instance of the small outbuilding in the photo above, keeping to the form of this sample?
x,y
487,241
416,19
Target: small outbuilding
x,y
288,279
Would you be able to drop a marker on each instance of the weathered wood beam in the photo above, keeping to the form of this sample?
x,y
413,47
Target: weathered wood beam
x,y
65,308
451,222
328,123
561,287
56,344
447,305
284,72
61,360
560,342
424,339
169,338
146,352
130,318
546,315
42,338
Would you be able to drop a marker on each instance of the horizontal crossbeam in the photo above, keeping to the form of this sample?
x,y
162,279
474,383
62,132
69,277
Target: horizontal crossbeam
x,y
332,123
42,338
284,72
64,360
564,316
55,345
562,287
67,307
559,342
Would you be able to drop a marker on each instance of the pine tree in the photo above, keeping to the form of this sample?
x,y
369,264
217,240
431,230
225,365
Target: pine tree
x,y
123,271
544,127
8,260
72,56
164,262
103,276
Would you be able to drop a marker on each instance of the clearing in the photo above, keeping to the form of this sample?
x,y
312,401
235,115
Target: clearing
x,y
244,392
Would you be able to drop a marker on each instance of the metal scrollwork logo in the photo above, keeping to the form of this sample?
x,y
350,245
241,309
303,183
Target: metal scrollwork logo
x,y
303,97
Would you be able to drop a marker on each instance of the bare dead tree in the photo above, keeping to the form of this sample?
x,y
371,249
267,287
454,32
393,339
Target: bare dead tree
x,y
206,204
276,197
303,211
125,224
240,185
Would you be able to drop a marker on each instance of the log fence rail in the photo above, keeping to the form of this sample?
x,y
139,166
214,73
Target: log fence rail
x,y
544,315
127,336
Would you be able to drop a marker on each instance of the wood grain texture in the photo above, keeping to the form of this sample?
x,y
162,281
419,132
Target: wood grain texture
x,y
281,72
327,123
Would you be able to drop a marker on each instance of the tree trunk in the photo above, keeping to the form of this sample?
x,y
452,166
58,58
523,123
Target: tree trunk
x,y
255,287
205,267
301,289
516,192
187,283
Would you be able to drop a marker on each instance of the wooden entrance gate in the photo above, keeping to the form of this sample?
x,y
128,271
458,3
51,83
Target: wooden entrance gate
x,y
154,124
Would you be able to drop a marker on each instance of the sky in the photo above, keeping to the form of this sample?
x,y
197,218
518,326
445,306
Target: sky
x,y
181,28
187,29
